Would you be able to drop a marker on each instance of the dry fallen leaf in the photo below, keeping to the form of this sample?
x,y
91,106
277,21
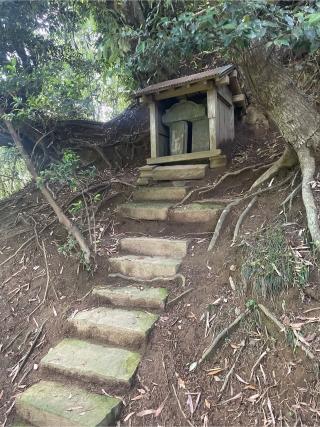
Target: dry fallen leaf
x,y
146,412
250,387
232,284
207,404
140,396
181,383
215,371
253,398
128,416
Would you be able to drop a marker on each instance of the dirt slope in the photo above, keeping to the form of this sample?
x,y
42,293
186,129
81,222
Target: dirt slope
x,y
283,387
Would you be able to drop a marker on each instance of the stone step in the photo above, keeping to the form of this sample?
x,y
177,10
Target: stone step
x,y
49,404
145,267
155,246
114,326
195,213
90,362
147,211
132,296
160,193
179,172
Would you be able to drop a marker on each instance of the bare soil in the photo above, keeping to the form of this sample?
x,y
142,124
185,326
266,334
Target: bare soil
x,y
283,388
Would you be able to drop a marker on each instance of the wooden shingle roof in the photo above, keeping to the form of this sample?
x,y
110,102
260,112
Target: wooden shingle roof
x,y
181,81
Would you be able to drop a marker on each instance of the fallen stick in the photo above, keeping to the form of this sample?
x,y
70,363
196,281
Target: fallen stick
x,y
215,343
12,276
281,330
291,195
18,250
155,279
25,358
174,300
180,407
241,218
229,374
262,355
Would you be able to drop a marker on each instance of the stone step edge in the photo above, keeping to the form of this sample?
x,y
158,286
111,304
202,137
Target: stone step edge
x,y
105,293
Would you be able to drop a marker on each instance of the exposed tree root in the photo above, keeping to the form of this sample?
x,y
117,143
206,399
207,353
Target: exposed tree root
x,y
230,373
206,189
215,343
287,160
241,218
291,196
308,165
235,202
178,298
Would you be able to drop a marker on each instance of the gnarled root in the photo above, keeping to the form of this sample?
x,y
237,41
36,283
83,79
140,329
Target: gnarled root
x,y
307,164
287,160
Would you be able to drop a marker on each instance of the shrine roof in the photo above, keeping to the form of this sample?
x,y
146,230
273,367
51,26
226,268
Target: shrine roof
x,y
193,78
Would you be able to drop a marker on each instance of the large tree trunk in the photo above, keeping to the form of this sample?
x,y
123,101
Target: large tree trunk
x,y
296,118
63,219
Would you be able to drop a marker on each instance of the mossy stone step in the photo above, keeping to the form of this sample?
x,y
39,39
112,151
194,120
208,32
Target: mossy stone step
x,y
114,325
160,193
92,362
179,172
49,404
196,213
155,246
145,267
148,211
132,296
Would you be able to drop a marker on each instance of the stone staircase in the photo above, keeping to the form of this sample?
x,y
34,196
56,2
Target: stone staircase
x,y
106,343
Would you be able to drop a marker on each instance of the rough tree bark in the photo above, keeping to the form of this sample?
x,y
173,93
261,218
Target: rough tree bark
x,y
63,219
297,120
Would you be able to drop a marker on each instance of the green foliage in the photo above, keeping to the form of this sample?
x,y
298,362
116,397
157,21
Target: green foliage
x,y
13,173
67,171
270,265
70,249
76,207
174,34
251,304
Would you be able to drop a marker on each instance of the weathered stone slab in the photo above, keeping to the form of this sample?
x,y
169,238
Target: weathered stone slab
x,y
132,296
20,423
155,246
179,172
218,161
114,325
160,193
49,404
147,211
145,267
196,212
92,362
178,137
200,135
142,181
184,110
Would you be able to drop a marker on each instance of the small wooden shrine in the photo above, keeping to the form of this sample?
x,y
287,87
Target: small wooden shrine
x,y
190,117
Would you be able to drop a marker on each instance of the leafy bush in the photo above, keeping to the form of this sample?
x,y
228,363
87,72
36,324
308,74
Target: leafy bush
x,y
67,171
